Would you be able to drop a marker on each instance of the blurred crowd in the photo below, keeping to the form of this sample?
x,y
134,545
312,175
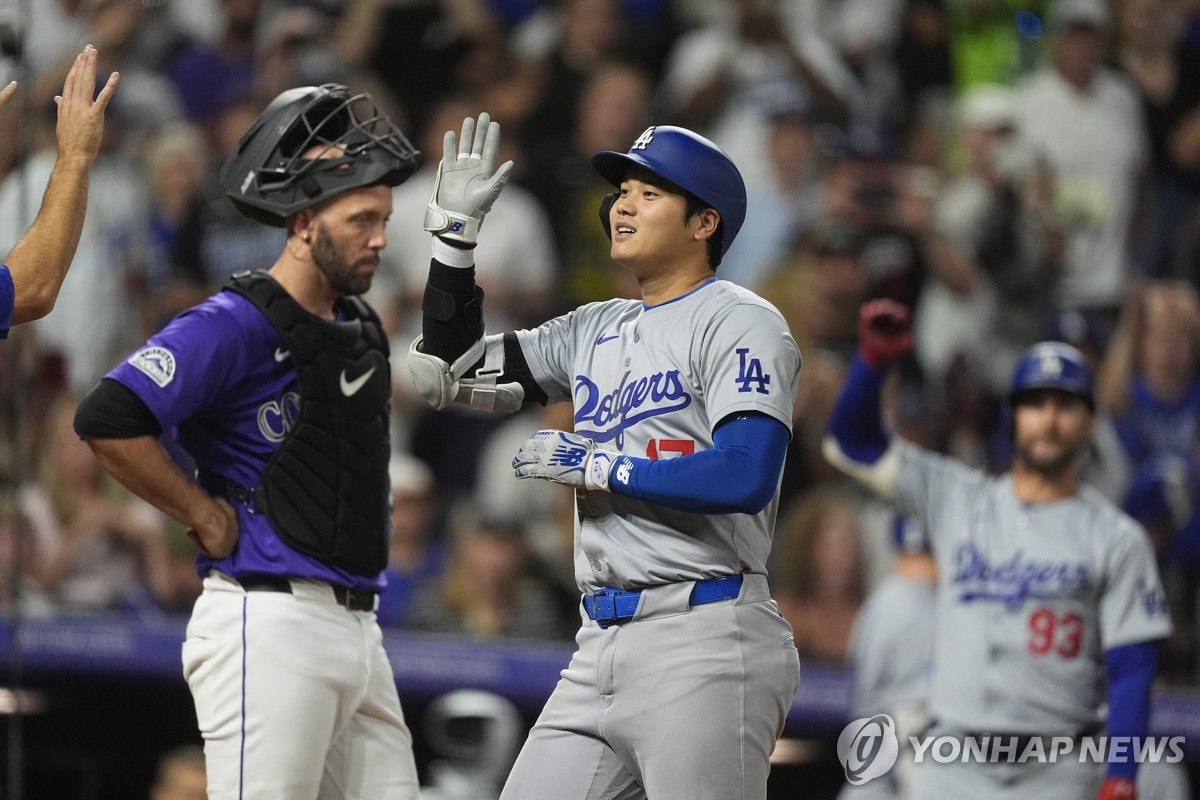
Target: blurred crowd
x,y
1011,170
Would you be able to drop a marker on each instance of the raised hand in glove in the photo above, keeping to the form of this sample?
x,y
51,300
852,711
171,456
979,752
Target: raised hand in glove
x,y
466,183
884,332
566,458
1117,789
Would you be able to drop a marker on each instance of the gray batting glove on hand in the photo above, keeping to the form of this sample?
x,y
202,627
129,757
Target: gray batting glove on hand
x,y
466,185
565,458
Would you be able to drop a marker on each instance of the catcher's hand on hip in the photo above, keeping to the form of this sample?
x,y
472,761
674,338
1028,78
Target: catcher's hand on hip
x,y
466,184
566,458
215,533
884,332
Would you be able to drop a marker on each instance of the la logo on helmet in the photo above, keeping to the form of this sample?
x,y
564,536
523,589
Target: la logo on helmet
x,y
1051,364
643,141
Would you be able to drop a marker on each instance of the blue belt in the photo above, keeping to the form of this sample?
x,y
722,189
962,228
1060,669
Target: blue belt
x,y
613,606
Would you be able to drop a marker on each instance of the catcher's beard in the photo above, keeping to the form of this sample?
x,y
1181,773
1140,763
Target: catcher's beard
x,y
335,265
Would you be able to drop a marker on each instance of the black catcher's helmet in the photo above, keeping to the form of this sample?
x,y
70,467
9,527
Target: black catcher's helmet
x,y
268,176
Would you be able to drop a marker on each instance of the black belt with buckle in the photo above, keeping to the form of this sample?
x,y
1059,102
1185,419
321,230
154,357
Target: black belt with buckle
x,y
350,599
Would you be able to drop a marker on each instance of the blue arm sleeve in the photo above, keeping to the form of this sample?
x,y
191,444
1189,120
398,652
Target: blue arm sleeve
x,y
1130,670
8,296
856,422
738,476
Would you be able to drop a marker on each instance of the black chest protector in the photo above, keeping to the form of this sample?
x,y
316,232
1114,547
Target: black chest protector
x,y
326,489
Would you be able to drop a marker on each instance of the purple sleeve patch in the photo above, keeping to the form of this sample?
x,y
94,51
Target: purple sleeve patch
x,y
187,365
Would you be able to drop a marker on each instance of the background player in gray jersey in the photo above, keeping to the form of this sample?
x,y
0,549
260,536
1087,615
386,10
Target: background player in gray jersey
x,y
1046,590
685,670
278,388
891,652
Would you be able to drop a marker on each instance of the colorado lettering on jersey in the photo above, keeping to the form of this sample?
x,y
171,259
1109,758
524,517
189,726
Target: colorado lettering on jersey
x,y
276,417
615,412
1016,580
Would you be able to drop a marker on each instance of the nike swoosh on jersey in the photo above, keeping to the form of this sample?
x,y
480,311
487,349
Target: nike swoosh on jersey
x,y
602,339
350,388
281,355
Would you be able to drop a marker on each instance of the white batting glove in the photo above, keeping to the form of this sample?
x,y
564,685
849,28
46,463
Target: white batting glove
x,y
565,458
466,186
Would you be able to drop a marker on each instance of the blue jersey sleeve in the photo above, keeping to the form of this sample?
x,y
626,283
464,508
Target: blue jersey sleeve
x,y
856,422
1130,670
8,297
738,475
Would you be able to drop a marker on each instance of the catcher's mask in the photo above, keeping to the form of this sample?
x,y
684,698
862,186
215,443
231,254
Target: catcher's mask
x,y
692,163
276,169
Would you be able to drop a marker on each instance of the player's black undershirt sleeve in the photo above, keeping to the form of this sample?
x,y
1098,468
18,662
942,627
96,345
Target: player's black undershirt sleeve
x,y
452,312
113,411
453,321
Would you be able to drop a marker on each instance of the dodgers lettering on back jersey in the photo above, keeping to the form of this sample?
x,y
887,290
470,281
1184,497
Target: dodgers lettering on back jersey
x,y
219,375
653,382
1029,597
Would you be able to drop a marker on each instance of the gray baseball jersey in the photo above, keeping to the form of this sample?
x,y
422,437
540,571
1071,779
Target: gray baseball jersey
x,y
891,647
1029,597
654,382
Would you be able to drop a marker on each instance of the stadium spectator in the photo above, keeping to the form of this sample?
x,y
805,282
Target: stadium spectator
x,y
1166,70
488,590
994,229
547,509
176,170
782,202
417,553
612,108
92,542
19,594
818,575
1085,120
208,75
1150,381
722,79
180,775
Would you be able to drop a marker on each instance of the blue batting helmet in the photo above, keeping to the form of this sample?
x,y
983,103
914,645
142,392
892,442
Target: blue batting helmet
x,y
1054,365
689,161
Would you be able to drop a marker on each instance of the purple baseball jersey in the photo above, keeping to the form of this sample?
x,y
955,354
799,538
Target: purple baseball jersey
x,y
220,378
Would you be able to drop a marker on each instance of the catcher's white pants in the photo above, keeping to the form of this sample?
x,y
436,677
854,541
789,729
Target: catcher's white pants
x,y
295,697
679,704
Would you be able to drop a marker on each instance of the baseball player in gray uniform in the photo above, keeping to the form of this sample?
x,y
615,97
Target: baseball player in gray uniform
x,y
685,669
891,652
1046,590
